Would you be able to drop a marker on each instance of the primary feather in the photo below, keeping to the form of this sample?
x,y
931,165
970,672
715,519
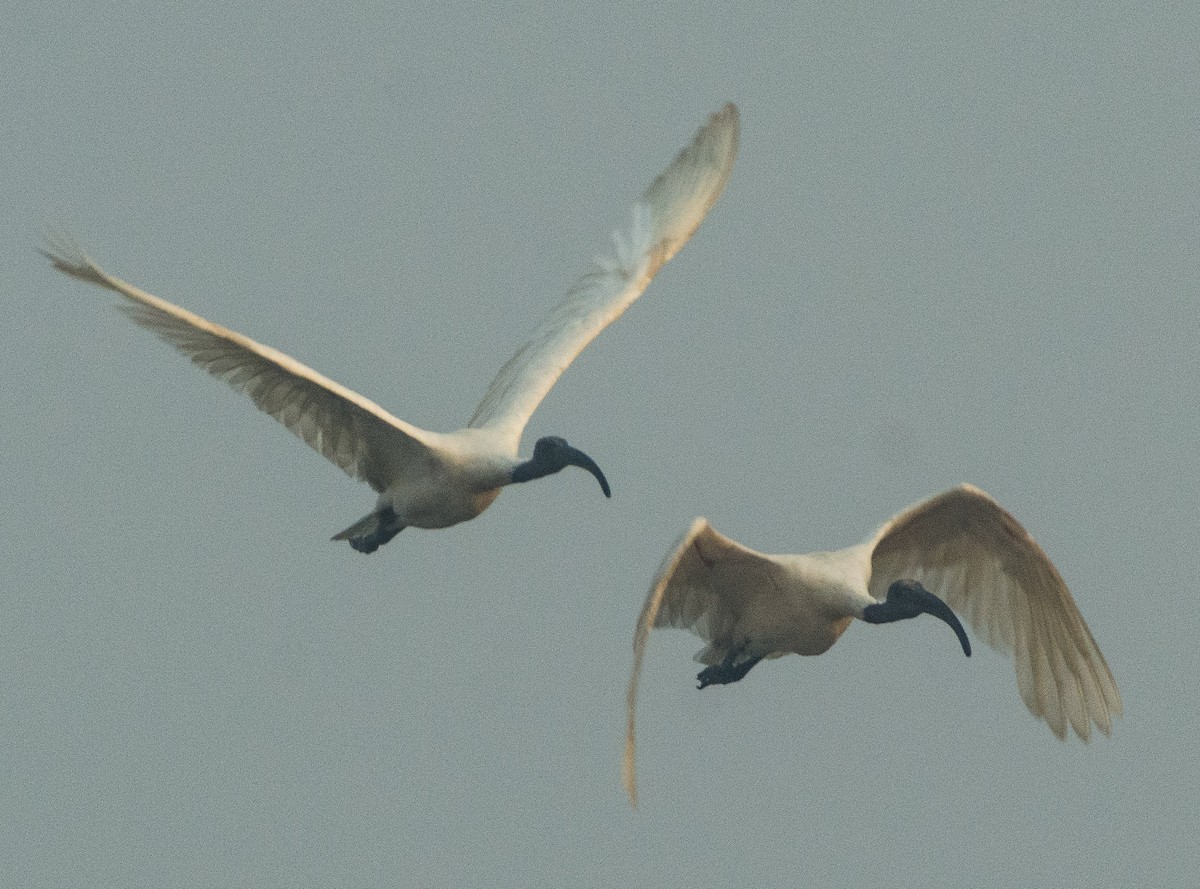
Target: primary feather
x,y
973,554
668,213
363,439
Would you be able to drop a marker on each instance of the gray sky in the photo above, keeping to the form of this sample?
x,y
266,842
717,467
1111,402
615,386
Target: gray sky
x,y
959,244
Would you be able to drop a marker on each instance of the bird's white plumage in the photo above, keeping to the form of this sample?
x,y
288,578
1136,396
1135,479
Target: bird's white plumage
x,y
667,215
961,545
432,479
363,439
970,552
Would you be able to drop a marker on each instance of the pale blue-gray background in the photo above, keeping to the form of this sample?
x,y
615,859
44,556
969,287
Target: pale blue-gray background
x,y
960,244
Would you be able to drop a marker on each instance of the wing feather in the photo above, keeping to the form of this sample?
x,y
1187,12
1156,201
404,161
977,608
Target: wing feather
x,y
967,549
361,438
703,586
669,212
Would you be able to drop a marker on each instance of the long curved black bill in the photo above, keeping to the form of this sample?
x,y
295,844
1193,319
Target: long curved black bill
x,y
939,609
576,457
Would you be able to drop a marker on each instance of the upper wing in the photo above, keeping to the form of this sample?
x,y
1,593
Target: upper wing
x,y
669,212
702,586
359,436
964,547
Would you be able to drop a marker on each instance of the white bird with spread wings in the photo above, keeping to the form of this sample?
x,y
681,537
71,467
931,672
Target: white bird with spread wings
x,y
429,479
958,551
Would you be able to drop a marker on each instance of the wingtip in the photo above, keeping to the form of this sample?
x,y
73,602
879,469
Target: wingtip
x,y
61,248
726,121
629,774
64,253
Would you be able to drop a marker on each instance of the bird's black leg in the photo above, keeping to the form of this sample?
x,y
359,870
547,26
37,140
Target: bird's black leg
x,y
727,671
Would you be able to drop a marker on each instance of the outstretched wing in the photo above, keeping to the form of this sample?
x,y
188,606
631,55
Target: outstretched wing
x,y
703,586
965,548
667,215
363,439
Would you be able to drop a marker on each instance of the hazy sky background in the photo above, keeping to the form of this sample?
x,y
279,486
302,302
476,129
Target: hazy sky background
x,y
960,244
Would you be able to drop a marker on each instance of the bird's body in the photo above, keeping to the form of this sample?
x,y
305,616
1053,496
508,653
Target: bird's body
x,y
783,617
973,556
428,479
455,486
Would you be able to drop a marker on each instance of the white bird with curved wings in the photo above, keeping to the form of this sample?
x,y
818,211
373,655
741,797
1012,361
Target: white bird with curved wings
x,y
958,551
429,479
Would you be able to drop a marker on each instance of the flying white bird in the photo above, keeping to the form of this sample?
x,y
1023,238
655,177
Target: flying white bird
x,y
429,479
959,549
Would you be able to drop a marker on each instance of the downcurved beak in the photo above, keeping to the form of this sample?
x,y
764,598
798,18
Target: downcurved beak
x,y
942,611
576,457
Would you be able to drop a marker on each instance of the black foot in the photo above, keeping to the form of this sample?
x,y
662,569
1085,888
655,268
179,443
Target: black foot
x,y
367,544
726,671
386,530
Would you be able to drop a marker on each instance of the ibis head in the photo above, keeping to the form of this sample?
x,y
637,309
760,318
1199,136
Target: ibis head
x,y
907,598
552,454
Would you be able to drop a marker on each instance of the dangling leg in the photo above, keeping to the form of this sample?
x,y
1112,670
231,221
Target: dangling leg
x,y
373,531
727,671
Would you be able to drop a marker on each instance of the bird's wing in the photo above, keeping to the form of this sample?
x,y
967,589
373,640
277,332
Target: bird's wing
x,y
669,212
965,548
702,586
362,438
